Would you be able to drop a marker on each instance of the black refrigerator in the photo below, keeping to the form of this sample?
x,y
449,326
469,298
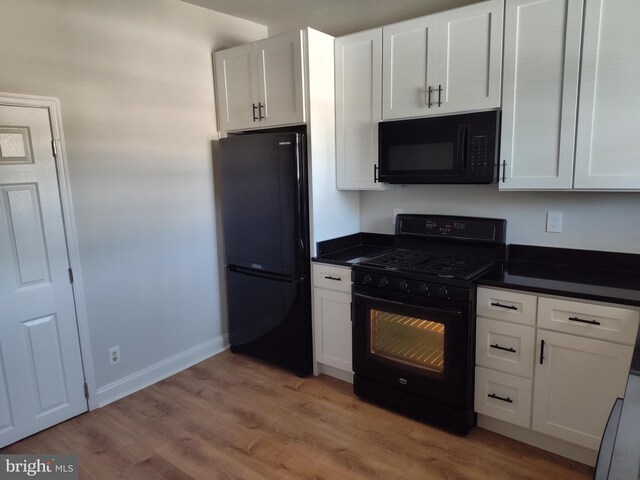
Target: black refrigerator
x,y
266,241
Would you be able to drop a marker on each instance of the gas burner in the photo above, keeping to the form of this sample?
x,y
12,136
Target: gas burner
x,y
415,261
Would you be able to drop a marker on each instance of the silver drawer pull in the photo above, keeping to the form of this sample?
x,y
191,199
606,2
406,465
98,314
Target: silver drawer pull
x,y
331,277
512,350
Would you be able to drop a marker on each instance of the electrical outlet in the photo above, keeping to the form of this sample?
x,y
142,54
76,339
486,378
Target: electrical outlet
x,y
114,355
554,222
396,212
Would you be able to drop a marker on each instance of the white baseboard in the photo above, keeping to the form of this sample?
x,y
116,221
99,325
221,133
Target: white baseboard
x,y
540,440
161,370
335,373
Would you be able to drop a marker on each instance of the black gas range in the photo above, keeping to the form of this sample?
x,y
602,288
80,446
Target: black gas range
x,y
413,312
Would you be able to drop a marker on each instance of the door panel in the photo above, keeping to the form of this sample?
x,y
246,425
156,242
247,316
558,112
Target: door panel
x,y
470,57
42,378
607,146
280,79
270,318
409,67
358,63
576,384
237,87
45,360
260,201
540,97
26,234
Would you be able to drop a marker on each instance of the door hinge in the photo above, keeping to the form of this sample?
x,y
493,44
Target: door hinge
x,y
86,390
70,275
54,148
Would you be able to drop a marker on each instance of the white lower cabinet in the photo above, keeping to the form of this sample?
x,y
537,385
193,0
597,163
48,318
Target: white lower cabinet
x,y
577,381
559,376
332,320
503,396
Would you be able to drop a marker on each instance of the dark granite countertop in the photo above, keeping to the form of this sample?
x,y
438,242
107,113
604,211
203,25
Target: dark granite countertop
x,y
351,249
602,276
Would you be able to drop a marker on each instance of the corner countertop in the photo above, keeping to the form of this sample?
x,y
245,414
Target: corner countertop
x,y
352,249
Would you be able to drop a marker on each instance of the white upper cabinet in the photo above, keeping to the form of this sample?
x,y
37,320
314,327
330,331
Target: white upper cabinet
x,y
443,63
261,84
358,70
409,67
571,76
237,87
607,144
280,79
470,57
540,93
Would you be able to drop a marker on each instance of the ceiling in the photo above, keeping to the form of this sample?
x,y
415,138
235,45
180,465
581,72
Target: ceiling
x,y
335,17
266,12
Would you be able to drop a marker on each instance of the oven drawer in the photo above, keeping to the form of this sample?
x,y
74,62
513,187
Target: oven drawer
x,y
507,305
503,396
505,346
602,322
332,277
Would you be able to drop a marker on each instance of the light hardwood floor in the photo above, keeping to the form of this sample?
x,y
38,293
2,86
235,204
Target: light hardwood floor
x,y
231,417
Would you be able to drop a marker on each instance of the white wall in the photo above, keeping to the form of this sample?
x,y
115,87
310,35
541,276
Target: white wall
x,y
135,82
593,221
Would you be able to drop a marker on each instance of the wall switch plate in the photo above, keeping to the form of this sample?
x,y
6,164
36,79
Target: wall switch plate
x,y
396,212
554,222
114,355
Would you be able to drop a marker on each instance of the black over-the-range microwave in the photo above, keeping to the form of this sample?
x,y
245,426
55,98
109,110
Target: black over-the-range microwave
x,y
447,149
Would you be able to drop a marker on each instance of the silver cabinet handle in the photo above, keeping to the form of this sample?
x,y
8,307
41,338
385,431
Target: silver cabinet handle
x,y
429,90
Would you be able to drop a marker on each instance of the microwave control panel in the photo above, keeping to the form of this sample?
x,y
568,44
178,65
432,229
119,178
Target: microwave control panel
x,y
479,155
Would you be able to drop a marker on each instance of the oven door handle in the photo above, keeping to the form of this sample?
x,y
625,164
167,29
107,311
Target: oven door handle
x,y
404,305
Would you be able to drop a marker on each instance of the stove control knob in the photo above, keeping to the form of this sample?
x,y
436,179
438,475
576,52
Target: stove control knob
x,y
367,279
423,289
403,285
443,292
384,282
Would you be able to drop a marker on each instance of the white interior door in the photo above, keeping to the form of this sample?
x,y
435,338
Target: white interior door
x,y
41,376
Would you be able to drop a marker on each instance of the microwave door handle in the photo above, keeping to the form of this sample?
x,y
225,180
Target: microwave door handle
x,y
463,145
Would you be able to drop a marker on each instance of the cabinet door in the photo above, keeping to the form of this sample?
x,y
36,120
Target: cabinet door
x,y
576,384
540,93
607,144
280,79
409,67
332,328
358,60
469,58
237,88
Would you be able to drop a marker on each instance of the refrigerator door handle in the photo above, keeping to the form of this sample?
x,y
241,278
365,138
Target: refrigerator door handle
x,y
262,274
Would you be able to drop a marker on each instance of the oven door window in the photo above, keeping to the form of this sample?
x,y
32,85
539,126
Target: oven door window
x,y
417,342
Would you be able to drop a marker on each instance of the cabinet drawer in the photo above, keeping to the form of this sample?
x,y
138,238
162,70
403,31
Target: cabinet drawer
x,y
507,305
503,396
602,322
505,346
332,277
